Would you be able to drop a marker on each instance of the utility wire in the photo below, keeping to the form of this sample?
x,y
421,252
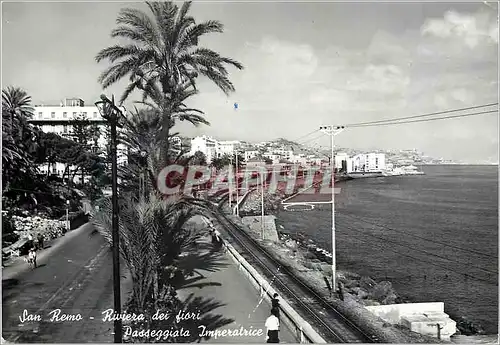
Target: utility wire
x,y
315,138
419,237
418,250
417,259
424,115
304,136
425,120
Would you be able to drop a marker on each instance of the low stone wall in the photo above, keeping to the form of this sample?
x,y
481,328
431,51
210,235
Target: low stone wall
x,y
304,332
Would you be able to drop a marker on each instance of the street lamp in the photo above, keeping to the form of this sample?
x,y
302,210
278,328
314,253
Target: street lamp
x,y
115,118
237,187
67,216
333,131
142,182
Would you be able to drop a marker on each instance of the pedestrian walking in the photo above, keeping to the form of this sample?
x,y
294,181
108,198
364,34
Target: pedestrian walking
x,y
340,290
40,241
275,304
273,326
32,258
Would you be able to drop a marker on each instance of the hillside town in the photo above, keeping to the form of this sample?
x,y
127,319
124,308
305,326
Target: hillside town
x,y
284,152
64,119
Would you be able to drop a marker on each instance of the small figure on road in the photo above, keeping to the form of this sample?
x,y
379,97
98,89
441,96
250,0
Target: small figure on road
x,y
340,290
273,326
275,304
32,257
40,241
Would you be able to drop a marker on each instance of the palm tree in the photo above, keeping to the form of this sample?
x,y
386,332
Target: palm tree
x,y
152,236
18,136
149,148
163,59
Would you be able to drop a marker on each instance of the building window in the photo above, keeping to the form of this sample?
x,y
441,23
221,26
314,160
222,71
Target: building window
x,y
65,115
53,115
95,115
65,129
74,114
40,115
85,114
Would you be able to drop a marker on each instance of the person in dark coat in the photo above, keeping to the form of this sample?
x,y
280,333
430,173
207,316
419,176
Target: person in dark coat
x,y
275,304
40,241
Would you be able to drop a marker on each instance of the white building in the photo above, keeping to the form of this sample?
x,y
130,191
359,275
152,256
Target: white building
x,y
227,147
58,119
206,145
299,159
284,153
368,162
341,157
251,154
274,157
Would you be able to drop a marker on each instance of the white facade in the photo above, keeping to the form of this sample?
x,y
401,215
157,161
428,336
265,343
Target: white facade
x,y
299,159
206,145
250,154
57,119
339,158
274,157
368,162
284,154
227,147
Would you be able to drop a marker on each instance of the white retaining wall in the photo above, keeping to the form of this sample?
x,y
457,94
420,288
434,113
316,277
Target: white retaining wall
x,y
303,330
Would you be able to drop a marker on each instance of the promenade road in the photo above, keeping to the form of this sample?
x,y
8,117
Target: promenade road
x,y
242,301
75,275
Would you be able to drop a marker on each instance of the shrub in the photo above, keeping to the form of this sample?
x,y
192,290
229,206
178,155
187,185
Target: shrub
x,y
467,327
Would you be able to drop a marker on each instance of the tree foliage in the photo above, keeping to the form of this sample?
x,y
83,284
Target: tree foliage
x,y
227,160
163,60
18,138
199,158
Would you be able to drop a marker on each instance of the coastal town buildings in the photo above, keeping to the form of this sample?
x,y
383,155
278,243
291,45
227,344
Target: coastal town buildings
x,y
280,152
205,144
227,147
250,154
213,148
60,118
367,162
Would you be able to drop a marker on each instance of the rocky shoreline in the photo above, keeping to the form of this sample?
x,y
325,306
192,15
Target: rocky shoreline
x,y
314,262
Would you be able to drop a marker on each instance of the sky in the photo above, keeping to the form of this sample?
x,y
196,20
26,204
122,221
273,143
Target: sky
x,y
306,65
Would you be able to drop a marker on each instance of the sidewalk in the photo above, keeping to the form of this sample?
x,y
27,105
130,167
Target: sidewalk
x,y
242,302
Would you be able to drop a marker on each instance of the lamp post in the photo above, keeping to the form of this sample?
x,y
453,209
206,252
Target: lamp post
x,y
142,178
237,187
67,216
115,118
262,202
230,182
333,131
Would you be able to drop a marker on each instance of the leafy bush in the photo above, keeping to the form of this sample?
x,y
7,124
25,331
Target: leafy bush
x,y
26,226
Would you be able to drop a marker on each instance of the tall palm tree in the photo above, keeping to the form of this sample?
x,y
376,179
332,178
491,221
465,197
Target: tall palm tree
x,y
163,59
18,136
152,152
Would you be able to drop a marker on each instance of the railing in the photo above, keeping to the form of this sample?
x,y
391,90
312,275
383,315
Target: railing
x,y
303,330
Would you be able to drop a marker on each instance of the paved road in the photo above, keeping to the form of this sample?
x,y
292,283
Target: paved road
x,y
242,301
74,276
